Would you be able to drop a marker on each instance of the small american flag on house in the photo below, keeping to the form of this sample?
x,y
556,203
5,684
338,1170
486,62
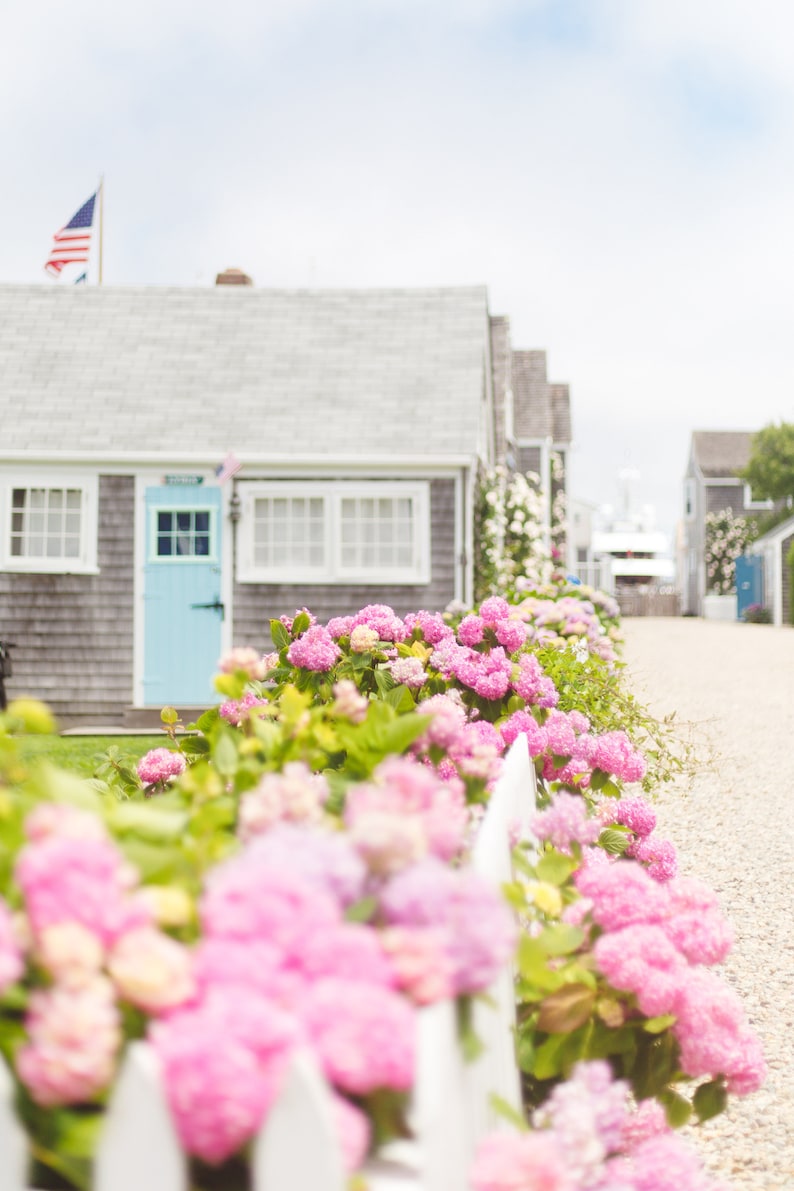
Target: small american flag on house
x,y
71,244
230,467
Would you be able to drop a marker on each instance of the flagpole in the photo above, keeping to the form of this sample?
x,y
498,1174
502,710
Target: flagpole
x,y
101,189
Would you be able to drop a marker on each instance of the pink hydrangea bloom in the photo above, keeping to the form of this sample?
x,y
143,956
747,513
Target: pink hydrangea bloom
x,y
160,765
244,900
562,737
713,1035
447,722
66,822
665,1163
476,750
70,953
85,881
532,685
471,630
11,965
363,1042
494,609
295,794
388,840
349,702
349,951
404,787
325,859
408,671
648,1120
696,924
151,970
353,1130
473,920
523,721
383,620
218,1088
288,621
512,634
635,813
520,1162
622,894
421,966
314,650
586,1113
657,855
641,959
431,626
243,658
339,626
566,822
363,638
613,753
236,711
252,964
74,1036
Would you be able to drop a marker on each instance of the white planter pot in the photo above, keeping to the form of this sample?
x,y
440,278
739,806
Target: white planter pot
x,y
720,607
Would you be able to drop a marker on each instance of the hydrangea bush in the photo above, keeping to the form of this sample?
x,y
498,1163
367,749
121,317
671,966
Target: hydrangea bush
x,y
294,873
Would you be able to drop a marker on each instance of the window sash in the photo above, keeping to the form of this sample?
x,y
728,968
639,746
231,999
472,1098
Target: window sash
x,y
338,532
48,520
47,524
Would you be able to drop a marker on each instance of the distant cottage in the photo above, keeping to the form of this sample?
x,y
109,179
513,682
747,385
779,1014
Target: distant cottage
x,y
711,483
360,419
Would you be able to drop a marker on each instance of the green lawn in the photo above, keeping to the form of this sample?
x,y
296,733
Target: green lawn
x,y
81,754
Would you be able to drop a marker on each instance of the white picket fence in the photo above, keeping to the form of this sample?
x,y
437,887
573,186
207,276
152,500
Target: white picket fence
x,y
297,1148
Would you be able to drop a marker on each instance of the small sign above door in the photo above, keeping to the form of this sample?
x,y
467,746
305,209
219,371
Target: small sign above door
x,y
194,480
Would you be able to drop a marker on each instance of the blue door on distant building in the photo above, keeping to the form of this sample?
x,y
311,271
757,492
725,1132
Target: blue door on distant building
x,y
182,595
749,582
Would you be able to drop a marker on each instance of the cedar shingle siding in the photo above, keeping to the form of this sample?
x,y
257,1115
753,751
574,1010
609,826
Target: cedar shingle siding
x,y
785,575
256,603
74,632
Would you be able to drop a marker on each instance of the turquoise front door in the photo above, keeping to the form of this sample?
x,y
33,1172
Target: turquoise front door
x,y
182,595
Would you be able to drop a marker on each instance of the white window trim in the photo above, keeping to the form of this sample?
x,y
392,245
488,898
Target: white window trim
x,y
331,493
749,503
86,563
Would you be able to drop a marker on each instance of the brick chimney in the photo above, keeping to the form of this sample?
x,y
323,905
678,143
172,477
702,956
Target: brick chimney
x,y
233,277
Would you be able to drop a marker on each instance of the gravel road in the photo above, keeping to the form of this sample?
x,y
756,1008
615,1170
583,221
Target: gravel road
x,y
732,688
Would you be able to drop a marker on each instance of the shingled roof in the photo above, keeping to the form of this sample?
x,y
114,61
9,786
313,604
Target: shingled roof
x,y
271,372
540,409
721,453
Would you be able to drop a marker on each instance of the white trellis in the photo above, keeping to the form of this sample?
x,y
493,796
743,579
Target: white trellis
x,y
297,1148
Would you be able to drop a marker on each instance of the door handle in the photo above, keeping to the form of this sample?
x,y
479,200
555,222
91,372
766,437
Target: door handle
x,y
217,604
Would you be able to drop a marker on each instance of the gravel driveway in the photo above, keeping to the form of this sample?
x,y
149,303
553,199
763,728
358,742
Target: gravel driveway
x,y
732,687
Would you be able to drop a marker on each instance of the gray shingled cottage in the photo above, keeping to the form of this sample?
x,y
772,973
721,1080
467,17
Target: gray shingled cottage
x,y
360,419
711,484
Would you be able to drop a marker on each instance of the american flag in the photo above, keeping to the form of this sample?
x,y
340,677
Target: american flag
x,y
230,467
70,245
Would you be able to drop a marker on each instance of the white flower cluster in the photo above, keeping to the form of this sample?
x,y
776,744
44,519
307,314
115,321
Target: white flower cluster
x,y
511,531
726,538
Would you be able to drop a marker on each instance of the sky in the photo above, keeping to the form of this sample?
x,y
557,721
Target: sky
x,y
618,173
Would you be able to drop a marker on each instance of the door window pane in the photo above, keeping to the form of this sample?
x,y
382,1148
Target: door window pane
x,y
183,533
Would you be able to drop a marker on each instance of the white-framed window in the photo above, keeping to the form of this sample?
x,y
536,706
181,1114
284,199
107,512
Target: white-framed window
x,y
48,522
689,498
344,531
751,503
